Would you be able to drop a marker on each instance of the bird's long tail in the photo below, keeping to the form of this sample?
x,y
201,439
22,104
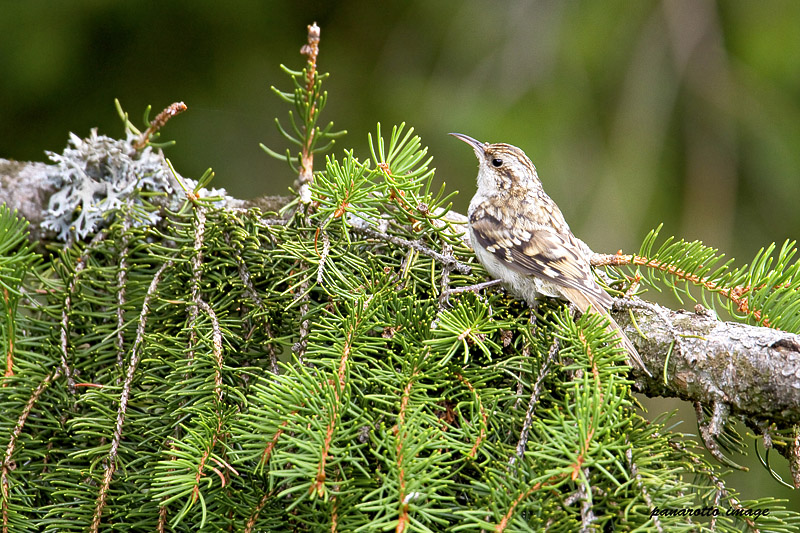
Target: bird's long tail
x,y
585,302
633,354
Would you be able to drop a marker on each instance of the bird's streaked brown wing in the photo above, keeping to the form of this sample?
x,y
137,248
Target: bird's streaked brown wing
x,y
539,252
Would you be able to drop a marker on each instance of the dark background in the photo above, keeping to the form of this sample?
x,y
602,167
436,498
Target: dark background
x,y
685,112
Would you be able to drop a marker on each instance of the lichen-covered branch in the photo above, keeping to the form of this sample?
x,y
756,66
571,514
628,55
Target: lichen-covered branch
x,y
755,370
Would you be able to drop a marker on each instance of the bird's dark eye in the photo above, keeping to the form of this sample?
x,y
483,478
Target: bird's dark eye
x,y
497,162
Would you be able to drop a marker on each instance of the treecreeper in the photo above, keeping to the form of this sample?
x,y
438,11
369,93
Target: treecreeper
x,y
520,236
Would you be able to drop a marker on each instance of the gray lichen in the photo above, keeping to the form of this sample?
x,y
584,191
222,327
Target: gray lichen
x,y
96,176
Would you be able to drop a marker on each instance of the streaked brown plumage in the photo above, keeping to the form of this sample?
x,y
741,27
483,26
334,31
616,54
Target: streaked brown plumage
x,y
520,236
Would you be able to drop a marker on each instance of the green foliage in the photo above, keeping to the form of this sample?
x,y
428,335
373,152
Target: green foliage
x,y
763,292
308,100
240,371
143,386
16,256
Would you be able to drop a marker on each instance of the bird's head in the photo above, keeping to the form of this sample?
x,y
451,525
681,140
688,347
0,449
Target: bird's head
x,y
502,166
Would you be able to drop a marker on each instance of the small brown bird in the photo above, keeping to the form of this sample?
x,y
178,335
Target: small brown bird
x,y
520,236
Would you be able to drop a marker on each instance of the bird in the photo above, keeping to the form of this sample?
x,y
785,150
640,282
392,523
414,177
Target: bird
x,y
520,236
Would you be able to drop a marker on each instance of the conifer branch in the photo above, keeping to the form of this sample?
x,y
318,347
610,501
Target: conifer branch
x,y
484,418
376,339
161,527
400,442
634,468
323,256
65,367
8,458
737,295
216,336
504,522
9,372
265,456
110,462
334,514
299,348
339,387
159,122
307,156
252,294
536,391
196,263
417,246
122,281
253,518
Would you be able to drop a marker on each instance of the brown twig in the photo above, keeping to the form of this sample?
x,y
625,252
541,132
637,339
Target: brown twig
x,y
8,462
339,389
159,122
253,518
735,294
306,174
403,518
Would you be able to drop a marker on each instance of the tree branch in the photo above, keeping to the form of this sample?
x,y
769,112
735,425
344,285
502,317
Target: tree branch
x,y
24,187
753,370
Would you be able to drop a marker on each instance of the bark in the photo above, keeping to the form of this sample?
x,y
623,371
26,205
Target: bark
x,y
694,356
24,187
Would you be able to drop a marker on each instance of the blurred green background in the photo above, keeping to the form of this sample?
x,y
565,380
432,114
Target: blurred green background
x,y
685,112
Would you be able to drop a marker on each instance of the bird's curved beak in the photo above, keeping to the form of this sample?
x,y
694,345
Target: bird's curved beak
x,y
478,146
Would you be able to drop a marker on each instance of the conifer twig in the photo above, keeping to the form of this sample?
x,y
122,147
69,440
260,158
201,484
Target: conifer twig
x,y
306,174
122,280
80,264
299,348
738,295
484,421
8,462
250,291
196,263
403,517
253,518
637,475
216,350
414,245
323,255
9,372
64,331
159,122
110,462
536,392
